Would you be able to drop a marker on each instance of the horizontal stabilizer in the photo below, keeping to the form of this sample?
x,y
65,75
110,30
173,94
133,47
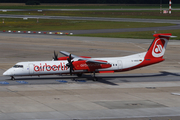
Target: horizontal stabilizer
x,y
161,35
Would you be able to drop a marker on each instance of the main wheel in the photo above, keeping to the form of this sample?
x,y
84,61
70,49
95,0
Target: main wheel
x,y
95,79
12,78
79,74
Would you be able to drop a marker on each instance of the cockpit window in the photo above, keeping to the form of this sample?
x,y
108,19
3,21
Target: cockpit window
x,y
18,66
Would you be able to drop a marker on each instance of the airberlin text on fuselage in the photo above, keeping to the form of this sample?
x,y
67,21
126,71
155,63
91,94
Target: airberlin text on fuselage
x,y
47,67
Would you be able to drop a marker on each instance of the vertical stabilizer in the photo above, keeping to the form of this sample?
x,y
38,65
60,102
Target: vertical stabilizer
x,y
158,46
156,50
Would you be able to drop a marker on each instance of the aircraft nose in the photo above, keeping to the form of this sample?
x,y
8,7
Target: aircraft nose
x,y
7,73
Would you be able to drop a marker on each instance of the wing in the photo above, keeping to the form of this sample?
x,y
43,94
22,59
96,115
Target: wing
x,y
97,61
86,59
67,54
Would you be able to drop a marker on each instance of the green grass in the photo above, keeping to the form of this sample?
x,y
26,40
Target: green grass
x,y
58,25
85,6
113,14
54,25
135,35
148,14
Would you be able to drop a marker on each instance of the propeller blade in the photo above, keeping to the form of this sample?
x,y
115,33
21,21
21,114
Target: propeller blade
x,y
55,56
70,70
70,58
69,64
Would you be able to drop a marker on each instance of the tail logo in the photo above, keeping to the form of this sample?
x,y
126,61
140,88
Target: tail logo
x,y
159,47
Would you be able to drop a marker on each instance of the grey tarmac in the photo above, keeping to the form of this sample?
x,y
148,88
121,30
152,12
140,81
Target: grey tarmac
x,y
143,94
109,79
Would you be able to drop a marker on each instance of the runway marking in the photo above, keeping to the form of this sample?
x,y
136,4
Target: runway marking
x,y
138,46
80,80
57,38
4,83
175,93
22,82
61,81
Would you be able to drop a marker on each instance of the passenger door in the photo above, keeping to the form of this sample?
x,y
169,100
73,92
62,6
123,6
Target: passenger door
x,y
31,69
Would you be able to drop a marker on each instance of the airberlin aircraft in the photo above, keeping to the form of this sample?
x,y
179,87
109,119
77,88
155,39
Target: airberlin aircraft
x,y
72,64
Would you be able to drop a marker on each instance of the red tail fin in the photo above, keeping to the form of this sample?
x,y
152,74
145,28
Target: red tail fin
x,y
158,46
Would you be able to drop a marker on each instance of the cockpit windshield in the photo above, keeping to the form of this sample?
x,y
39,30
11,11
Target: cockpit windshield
x,y
18,66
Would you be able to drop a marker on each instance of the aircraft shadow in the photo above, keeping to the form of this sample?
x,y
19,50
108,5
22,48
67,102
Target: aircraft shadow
x,y
73,78
102,79
162,73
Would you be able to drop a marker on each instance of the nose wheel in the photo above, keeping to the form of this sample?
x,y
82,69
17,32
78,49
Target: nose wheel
x,y
12,78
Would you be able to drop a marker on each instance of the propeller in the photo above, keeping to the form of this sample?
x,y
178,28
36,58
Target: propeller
x,y
55,56
69,64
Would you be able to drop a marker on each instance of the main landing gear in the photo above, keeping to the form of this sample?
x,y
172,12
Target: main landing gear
x,y
94,77
12,78
79,74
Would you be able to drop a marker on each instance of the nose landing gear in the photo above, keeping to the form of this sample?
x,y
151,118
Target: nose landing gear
x,y
12,78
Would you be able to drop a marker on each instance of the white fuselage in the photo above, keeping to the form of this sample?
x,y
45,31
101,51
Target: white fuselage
x,y
59,67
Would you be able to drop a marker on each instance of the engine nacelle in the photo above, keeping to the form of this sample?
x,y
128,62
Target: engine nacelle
x,y
63,58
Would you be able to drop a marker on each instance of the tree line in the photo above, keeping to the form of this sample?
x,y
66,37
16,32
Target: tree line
x,y
96,1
